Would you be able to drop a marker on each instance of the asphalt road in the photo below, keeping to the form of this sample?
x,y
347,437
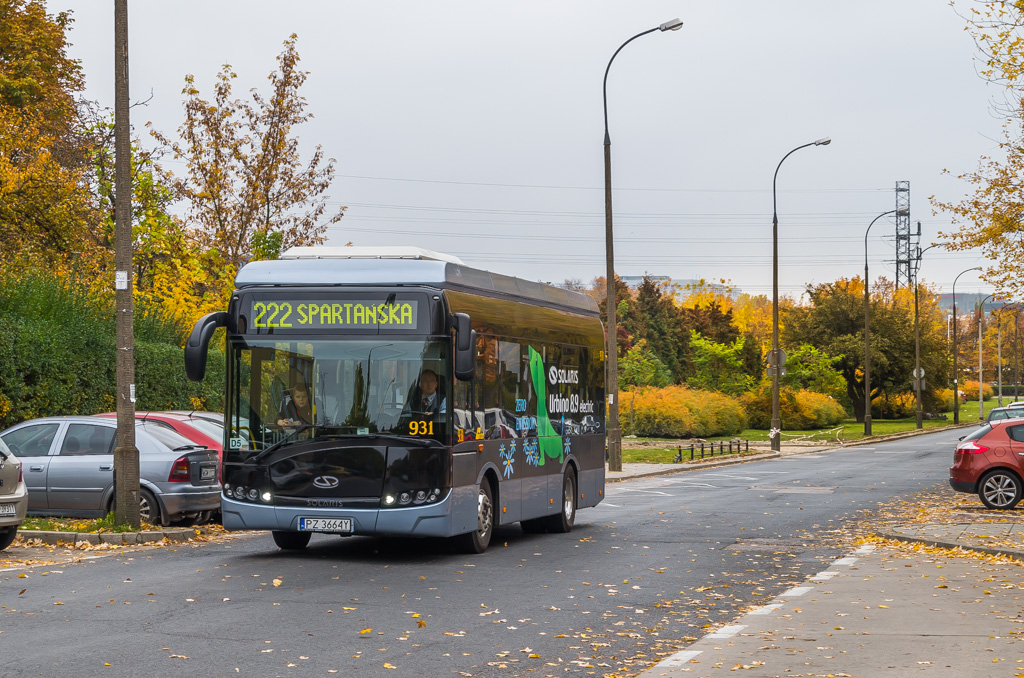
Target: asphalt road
x,y
656,562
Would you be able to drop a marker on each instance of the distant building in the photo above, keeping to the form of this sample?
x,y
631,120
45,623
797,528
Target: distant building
x,y
967,302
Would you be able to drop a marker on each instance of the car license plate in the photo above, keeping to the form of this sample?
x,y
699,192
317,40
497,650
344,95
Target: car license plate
x,y
209,473
6,509
325,524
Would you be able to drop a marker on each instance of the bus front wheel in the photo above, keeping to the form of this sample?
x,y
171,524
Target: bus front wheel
x,y
291,541
478,540
566,518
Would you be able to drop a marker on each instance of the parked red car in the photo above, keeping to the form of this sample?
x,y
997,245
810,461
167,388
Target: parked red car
x,y
990,462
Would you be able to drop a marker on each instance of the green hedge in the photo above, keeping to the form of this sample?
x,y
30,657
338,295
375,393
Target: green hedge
x,y
679,412
57,354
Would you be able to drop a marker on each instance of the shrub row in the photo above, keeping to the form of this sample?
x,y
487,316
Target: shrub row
x,y
680,412
799,410
58,354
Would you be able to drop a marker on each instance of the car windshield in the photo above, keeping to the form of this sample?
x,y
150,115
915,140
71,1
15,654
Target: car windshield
x,y
215,431
283,392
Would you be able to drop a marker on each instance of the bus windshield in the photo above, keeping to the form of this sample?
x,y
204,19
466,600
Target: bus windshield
x,y
283,392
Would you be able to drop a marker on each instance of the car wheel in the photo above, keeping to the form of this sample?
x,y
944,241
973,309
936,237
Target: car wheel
x,y
999,489
291,541
566,518
479,539
149,510
7,535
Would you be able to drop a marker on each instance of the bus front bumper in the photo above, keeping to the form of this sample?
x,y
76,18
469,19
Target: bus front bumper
x,y
427,520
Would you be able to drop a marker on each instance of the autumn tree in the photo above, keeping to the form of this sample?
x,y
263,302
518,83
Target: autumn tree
x,y
249,191
44,202
833,323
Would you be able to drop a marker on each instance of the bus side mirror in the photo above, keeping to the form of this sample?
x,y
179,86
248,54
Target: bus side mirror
x,y
465,355
199,341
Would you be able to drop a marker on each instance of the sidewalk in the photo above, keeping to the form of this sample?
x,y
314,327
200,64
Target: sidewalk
x,y
879,611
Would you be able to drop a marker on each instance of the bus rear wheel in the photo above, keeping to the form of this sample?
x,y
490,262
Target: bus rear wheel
x,y
565,518
291,541
479,539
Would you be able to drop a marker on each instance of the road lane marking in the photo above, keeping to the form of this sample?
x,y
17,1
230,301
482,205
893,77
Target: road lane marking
x,y
848,560
796,591
867,548
766,609
678,659
823,576
727,631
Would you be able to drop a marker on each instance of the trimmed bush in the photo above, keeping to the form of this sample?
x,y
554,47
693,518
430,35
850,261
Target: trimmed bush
x,y
970,389
944,399
799,410
898,406
679,412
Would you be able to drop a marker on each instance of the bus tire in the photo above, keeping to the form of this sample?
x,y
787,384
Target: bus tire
x,y
479,539
566,517
291,541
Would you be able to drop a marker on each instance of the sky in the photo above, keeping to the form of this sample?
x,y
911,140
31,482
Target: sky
x,y
476,128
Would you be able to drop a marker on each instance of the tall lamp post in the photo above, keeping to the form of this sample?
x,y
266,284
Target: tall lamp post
x,y
612,328
918,375
981,395
774,361
956,376
867,323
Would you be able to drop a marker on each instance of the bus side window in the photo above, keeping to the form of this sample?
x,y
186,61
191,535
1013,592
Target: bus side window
x,y
486,385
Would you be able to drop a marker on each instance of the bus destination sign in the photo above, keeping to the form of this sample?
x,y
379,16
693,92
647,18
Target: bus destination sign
x,y
323,314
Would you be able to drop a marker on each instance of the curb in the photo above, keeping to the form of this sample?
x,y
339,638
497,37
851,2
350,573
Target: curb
x,y
682,468
114,538
942,543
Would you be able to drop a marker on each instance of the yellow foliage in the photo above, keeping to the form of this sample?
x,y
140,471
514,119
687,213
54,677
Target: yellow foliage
x,y
679,412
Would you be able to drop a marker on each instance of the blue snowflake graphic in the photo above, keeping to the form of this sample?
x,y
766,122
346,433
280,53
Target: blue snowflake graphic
x,y
507,459
568,445
530,448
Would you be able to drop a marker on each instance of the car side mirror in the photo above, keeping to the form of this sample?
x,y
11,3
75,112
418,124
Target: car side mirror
x,y
465,341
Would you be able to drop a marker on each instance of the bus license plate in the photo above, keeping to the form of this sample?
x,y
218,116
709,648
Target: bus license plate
x,y
325,524
6,509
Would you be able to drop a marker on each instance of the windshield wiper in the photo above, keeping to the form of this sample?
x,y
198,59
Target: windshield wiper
x,y
279,444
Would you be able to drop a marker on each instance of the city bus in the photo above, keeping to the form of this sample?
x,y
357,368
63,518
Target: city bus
x,y
329,352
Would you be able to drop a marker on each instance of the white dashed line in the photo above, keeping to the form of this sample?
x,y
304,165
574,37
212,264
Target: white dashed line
x,y
864,550
849,560
678,659
766,609
796,591
727,631
823,575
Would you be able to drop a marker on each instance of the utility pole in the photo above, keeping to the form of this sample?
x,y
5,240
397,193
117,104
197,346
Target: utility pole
x,y
126,455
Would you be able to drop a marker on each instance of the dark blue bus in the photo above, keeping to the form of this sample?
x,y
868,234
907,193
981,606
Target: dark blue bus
x,y
396,391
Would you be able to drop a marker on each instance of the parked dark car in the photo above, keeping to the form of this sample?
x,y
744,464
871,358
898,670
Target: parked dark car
x,y
990,462
68,465
13,496
1012,411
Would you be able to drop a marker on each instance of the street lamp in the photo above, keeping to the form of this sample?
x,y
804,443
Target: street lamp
x,y
774,361
867,323
918,375
612,329
981,318
956,376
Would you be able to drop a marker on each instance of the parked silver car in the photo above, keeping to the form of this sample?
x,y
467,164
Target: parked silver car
x,y
68,465
13,496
